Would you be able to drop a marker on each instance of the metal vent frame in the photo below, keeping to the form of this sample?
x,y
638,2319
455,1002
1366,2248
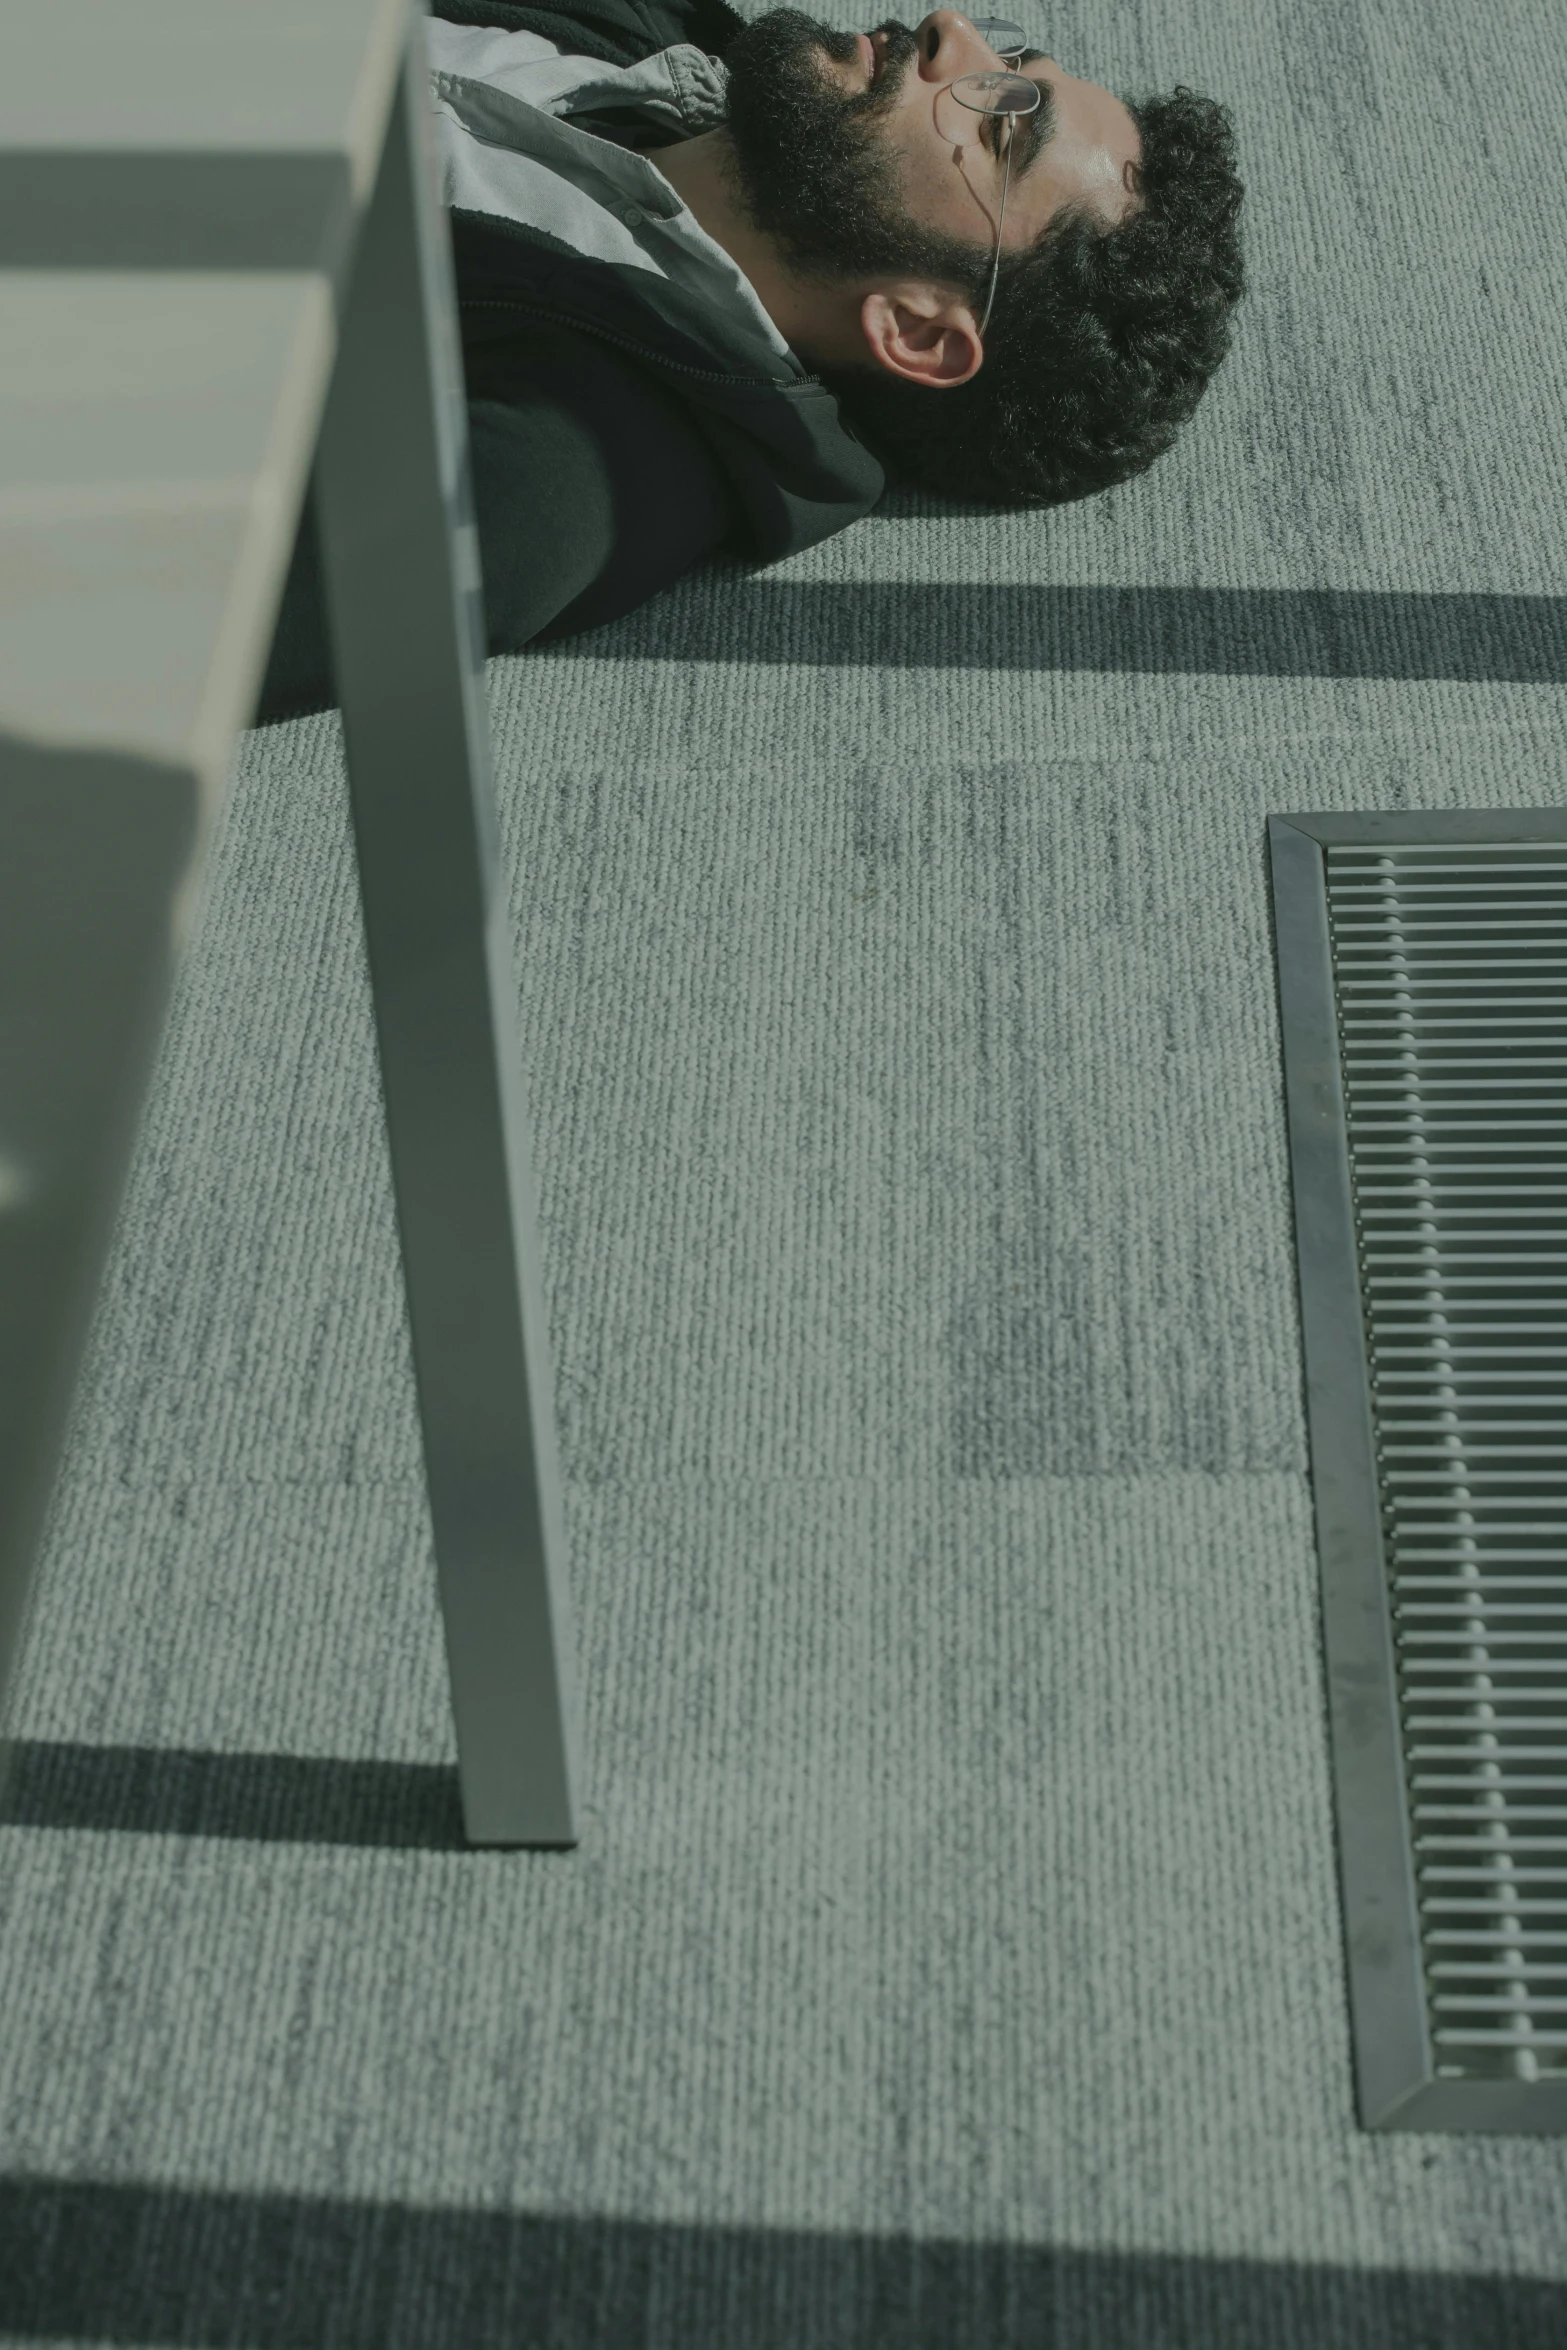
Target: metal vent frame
x,y
1398,2085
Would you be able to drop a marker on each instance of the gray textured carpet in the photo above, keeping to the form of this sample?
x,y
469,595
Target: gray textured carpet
x,y
952,1955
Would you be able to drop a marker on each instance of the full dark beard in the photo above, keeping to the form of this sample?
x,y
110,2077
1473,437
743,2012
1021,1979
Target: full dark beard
x,y
812,172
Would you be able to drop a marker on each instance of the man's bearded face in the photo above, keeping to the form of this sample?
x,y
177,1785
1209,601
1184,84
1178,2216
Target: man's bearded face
x,y
813,172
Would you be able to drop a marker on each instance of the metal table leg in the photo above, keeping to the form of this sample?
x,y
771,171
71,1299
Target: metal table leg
x,y
401,570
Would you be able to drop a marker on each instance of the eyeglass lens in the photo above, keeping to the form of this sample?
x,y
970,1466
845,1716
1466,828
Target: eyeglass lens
x,y
1001,34
996,93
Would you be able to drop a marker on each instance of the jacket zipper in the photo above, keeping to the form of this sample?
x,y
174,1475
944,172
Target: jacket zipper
x,y
605,334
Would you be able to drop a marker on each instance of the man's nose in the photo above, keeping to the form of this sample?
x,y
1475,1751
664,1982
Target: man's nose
x,y
949,45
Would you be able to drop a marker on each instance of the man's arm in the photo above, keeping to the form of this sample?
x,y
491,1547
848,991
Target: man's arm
x,y
591,488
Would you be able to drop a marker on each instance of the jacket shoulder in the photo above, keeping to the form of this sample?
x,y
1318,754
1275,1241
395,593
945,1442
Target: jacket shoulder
x,y
617,32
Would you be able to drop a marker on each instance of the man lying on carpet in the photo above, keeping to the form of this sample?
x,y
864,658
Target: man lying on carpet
x,y
717,281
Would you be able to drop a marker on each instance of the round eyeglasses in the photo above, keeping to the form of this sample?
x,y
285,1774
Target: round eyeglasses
x,y
1003,96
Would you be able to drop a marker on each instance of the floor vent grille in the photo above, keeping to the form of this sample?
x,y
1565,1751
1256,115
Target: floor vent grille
x,y
1423,992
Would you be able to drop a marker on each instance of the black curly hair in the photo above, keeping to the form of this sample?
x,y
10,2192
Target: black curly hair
x,y
1102,339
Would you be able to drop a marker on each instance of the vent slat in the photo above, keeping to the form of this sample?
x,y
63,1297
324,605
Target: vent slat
x,y
1480,1605
1472,1968
1469,2002
1474,1453
1467,1666
1450,1254
1437,1062
1452,2039
1488,1938
1482,1818
1460,1873
1431,1752
1515,1780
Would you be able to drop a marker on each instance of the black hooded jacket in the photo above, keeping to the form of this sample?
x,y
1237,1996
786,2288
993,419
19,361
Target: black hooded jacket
x,y
608,453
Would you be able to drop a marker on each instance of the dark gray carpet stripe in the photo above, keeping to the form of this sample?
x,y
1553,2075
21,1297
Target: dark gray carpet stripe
x,y
1226,632
152,2265
272,1798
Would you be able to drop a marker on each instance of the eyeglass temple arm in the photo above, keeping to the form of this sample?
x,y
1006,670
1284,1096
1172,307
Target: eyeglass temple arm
x,y
995,267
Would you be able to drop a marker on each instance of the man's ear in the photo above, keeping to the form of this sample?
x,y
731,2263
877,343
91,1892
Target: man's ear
x,y
923,334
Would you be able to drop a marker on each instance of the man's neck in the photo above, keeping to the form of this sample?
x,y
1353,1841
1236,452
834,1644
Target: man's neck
x,y
812,318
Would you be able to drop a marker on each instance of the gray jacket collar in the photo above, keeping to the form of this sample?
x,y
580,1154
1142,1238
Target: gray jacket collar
x,y
509,148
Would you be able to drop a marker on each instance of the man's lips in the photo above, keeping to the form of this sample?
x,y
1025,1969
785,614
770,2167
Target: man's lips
x,y
873,48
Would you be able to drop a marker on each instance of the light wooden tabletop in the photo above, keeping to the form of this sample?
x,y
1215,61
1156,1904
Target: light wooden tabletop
x,y
179,182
